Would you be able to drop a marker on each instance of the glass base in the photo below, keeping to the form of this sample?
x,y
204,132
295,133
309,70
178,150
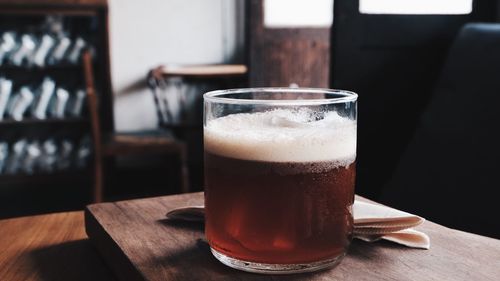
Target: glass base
x,y
272,268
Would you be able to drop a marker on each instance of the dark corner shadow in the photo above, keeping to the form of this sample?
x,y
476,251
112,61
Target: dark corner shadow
x,y
74,260
186,225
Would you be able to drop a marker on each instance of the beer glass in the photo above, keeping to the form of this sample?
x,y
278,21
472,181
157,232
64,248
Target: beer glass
x,y
279,177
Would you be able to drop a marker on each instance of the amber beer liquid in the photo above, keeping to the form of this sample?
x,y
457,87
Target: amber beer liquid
x,y
282,213
279,186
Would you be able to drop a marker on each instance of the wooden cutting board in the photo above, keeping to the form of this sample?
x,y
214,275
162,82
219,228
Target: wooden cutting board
x,y
138,243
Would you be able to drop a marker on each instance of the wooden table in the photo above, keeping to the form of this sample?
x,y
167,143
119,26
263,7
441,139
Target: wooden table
x,y
55,247
49,247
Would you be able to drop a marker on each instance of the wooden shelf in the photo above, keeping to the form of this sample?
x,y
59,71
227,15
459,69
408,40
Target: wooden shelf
x,y
51,7
63,66
69,176
43,12
71,121
85,18
20,71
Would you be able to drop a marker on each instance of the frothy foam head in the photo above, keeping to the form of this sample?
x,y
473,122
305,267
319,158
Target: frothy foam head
x,y
283,136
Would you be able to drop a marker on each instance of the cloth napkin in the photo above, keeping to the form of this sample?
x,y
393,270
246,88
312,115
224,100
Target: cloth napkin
x,y
372,222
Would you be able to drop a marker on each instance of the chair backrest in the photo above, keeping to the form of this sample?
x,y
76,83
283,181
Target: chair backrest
x,y
392,61
449,172
177,90
95,123
178,96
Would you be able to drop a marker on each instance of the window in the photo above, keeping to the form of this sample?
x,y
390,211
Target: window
x,y
416,7
298,13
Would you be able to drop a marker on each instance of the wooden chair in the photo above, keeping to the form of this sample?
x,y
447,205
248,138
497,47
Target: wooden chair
x,y
111,145
187,84
223,76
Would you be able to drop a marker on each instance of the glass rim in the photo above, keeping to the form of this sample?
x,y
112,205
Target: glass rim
x,y
345,96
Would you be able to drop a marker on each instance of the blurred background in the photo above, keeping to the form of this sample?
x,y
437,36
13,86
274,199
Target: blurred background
x,y
102,100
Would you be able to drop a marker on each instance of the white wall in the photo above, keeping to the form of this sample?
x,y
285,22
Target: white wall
x,y
144,34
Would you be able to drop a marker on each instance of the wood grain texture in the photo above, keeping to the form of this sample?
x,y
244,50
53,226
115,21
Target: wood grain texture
x,y
278,57
38,3
138,243
49,247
